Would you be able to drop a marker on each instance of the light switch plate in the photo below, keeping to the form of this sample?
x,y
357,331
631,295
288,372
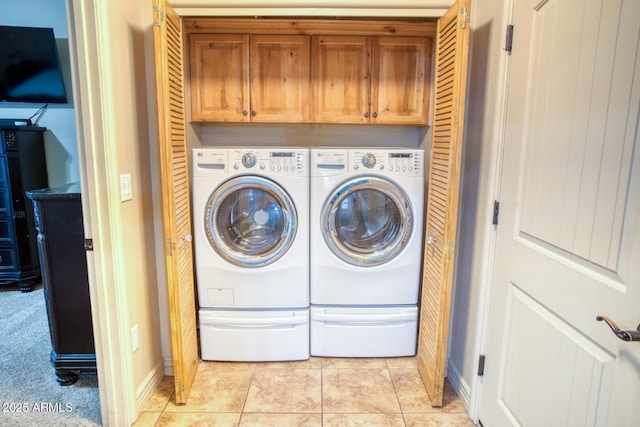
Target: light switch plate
x,y
125,187
135,338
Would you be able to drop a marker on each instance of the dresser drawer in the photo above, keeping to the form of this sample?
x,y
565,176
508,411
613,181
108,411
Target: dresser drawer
x,y
5,201
8,259
4,178
6,230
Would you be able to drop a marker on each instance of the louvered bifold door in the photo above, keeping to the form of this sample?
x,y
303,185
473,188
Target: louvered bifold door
x,y
442,207
175,195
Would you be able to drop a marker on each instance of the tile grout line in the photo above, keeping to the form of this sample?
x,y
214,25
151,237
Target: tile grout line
x,y
321,393
395,390
246,397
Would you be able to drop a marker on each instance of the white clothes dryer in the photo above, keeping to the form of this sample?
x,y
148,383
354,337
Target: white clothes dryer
x,y
366,251
366,225
251,235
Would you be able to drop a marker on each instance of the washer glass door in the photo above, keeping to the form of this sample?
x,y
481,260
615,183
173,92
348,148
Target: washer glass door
x,y
250,221
367,221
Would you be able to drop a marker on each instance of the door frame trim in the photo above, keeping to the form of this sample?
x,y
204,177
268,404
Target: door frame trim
x,y
98,160
497,128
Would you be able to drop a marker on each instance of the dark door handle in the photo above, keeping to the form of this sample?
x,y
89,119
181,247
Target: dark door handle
x,y
623,335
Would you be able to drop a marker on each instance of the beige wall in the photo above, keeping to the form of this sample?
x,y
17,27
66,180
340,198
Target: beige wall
x,y
130,43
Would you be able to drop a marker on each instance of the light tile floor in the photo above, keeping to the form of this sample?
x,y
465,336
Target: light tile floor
x,y
317,392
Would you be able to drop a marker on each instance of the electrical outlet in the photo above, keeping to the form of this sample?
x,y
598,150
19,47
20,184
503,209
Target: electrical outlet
x,y
135,338
125,187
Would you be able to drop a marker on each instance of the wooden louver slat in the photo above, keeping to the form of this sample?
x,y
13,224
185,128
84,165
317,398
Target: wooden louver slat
x,y
442,205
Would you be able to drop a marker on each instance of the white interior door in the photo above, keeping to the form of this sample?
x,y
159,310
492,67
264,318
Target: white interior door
x,y
568,239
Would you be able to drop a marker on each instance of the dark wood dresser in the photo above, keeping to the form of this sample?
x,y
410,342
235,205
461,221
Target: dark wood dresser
x,y
58,220
22,168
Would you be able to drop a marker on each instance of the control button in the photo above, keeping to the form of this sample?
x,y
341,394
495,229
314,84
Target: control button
x,y
381,167
236,166
368,160
262,166
356,167
249,160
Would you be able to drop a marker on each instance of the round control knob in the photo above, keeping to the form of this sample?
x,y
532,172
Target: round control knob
x,y
368,160
249,160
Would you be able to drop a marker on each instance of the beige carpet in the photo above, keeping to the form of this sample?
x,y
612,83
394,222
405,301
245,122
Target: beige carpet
x,y
29,392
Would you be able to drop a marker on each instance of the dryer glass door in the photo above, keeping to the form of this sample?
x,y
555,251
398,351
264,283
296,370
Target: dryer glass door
x,y
367,221
250,221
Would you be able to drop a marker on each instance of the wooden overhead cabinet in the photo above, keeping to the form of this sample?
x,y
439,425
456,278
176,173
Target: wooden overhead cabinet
x,y
279,70
242,78
341,79
219,77
360,79
400,83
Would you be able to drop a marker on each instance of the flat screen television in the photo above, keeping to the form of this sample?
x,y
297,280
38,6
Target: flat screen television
x,y
29,66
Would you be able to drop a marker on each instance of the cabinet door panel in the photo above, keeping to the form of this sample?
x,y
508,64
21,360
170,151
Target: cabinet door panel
x,y
341,79
219,77
401,74
280,78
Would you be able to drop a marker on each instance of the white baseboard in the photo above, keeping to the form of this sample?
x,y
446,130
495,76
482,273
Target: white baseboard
x,y
168,366
148,386
459,385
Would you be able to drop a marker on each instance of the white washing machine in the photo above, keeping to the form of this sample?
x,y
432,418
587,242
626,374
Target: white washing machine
x,y
366,251
251,235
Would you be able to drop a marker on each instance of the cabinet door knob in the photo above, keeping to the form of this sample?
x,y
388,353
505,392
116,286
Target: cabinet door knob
x,y
366,115
253,113
374,115
245,113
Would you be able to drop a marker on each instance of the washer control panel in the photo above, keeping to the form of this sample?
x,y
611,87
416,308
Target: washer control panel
x,y
277,161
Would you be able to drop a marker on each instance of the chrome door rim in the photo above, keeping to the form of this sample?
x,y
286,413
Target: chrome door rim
x,y
226,249
373,257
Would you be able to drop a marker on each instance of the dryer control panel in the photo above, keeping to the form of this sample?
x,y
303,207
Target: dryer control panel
x,y
406,162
